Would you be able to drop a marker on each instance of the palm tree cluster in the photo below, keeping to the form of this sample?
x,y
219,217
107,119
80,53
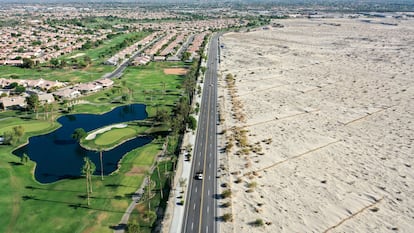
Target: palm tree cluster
x,y
183,108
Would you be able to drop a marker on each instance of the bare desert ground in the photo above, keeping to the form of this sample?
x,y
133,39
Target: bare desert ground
x,y
319,126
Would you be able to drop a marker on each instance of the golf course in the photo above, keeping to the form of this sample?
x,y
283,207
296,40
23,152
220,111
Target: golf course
x,y
27,205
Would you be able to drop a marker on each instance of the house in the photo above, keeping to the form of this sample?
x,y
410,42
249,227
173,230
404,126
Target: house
x,y
67,93
113,61
88,87
46,98
159,58
14,102
13,62
141,60
173,58
105,82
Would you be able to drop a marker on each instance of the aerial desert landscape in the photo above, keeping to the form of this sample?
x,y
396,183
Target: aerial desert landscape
x,y
318,117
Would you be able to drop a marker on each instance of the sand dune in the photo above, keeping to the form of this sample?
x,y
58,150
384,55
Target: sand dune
x,y
329,111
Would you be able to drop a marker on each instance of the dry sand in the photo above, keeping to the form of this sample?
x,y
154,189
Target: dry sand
x,y
176,71
330,102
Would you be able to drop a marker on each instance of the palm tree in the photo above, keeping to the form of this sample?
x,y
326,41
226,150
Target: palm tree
x,y
159,179
100,157
92,169
88,169
85,171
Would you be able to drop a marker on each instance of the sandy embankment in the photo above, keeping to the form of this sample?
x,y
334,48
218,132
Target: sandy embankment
x,y
328,106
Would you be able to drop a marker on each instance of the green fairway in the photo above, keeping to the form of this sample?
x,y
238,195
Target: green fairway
x,y
146,84
27,206
65,75
92,72
105,51
28,125
115,136
61,206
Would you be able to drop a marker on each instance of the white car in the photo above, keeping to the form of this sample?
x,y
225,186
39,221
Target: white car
x,y
199,176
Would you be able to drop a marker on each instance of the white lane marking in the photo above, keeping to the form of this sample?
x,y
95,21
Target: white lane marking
x,y
206,229
208,209
209,177
209,165
208,192
198,163
195,191
194,207
192,225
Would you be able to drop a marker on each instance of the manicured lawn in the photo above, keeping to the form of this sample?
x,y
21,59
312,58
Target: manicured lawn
x,y
101,53
147,84
66,75
115,136
28,125
92,72
27,206
61,206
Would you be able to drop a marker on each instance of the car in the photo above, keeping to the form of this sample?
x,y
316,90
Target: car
x,y
199,176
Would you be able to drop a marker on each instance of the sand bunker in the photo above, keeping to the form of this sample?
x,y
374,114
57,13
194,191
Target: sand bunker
x,y
320,122
176,71
92,135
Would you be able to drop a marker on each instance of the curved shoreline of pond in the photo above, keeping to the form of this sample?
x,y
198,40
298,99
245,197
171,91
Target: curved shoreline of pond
x,y
57,156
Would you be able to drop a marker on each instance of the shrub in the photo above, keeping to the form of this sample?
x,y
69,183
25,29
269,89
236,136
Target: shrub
x,y
238,180
226,193
252,185
227,217
258,222
226,204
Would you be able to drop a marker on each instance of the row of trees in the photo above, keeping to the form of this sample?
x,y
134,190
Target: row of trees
x,y
74,62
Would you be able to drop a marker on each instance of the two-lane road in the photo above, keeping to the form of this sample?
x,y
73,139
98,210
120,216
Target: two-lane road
x,y
201,212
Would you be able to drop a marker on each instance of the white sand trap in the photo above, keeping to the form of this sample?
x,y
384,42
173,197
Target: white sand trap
x,y
92,135
337,103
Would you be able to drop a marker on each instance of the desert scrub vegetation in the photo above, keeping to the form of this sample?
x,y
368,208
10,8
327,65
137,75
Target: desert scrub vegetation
x,y
226,204
237,105
227,217
252,185
238,180
258,222
226,193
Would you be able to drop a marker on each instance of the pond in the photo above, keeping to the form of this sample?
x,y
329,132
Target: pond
x,y
58,156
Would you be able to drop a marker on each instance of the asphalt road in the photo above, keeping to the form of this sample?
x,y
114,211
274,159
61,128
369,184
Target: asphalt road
x,y
200,211
120,69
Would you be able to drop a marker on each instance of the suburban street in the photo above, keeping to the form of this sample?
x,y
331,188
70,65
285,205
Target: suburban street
x,y
120,68
200,210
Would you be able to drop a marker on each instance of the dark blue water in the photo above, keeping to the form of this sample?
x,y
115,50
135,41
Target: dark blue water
x,y
58,156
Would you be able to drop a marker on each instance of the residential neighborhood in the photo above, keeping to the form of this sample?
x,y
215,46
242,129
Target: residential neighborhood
x,y
54,36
